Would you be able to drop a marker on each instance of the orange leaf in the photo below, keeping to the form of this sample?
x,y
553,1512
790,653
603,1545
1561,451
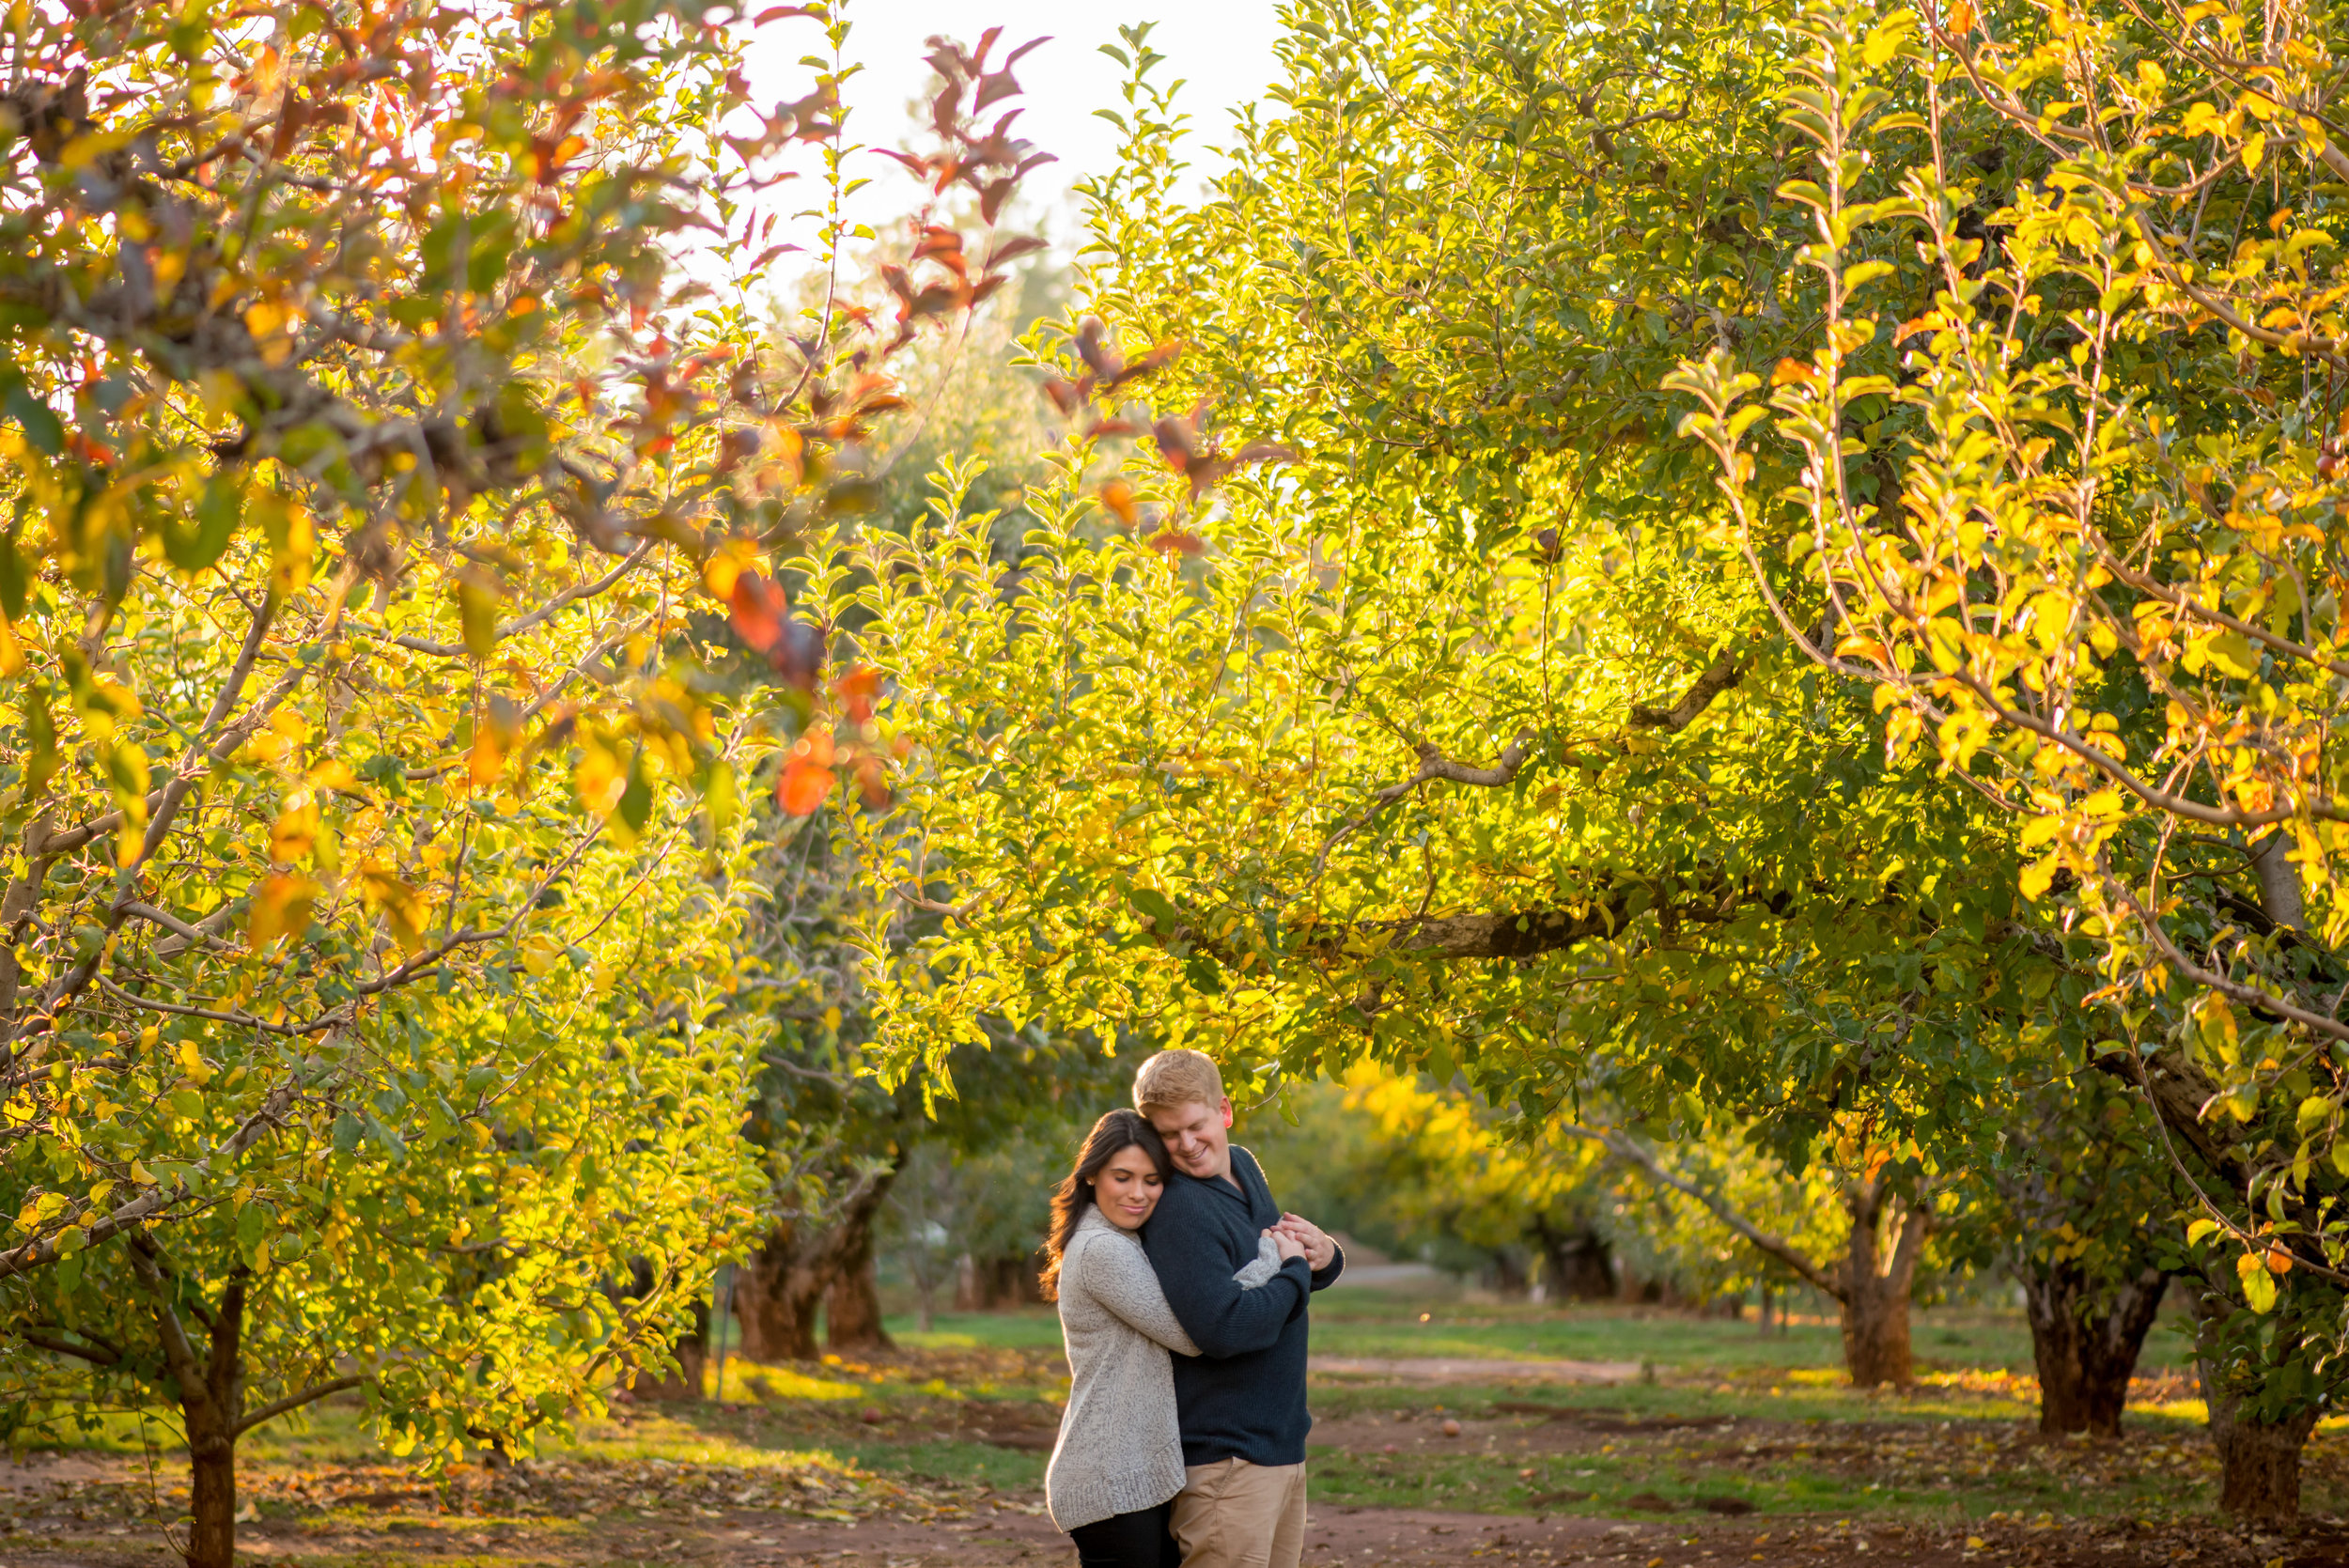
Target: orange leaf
x,y
1790,370
804,786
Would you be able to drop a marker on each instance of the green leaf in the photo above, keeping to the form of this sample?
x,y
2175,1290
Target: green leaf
x,y
2232,654
1162,910
37,418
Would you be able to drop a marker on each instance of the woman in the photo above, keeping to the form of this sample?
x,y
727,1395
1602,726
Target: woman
x,y
1119,1460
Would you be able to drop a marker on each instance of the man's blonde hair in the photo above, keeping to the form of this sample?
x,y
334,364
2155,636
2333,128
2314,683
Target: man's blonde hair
x,y
1175,1078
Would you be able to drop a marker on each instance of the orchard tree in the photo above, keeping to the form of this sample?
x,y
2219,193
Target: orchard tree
x,y
382,494
1853,1223
2068,501
1402,703
2082,1207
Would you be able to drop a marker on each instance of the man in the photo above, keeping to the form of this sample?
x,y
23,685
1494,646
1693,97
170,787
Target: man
x,y
1241,1402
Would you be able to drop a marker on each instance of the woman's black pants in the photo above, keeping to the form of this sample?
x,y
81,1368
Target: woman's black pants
x,y
1139,1540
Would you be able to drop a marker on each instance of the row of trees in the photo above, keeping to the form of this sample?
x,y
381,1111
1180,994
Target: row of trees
x,y
1750,571
2062,1204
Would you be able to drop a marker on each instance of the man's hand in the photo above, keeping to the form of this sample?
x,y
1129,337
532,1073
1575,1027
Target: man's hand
x,y
1320,1252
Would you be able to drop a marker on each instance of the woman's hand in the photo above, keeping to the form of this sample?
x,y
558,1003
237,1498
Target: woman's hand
x,y
1288,1244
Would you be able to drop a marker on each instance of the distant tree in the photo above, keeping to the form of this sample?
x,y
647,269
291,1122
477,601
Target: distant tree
x,y
1393,1159
1854,1223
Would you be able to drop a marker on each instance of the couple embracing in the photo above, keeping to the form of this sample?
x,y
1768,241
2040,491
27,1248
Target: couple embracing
x,y
1182,1290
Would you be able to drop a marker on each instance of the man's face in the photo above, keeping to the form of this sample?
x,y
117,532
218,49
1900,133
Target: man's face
x,y
1198,1135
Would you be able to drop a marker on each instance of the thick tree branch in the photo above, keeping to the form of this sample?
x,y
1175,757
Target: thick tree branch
x,y
179,1355
1718,676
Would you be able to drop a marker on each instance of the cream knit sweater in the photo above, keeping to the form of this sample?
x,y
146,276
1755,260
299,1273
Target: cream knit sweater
x,y
1120,1450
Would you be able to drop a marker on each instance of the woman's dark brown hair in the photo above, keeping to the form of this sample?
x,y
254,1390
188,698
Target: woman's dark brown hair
x,y
1117,1131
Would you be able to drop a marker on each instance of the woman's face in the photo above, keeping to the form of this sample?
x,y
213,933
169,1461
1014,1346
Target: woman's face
x,y
1127,1188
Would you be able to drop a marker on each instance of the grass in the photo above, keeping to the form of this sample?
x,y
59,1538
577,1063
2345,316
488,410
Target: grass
x,y
1724,1418
1365,1323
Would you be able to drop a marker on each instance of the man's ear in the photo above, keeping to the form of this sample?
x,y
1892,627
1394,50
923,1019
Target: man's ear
x,y
1228,1111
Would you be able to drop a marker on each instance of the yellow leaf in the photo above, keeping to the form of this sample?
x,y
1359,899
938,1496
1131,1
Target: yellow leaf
x,y
2254,149
730,560
281,907
2259,1286
11,656
487,758
296,828
402,906
192,1062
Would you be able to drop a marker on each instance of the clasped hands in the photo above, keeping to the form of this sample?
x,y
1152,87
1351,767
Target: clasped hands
x,y
1299,1237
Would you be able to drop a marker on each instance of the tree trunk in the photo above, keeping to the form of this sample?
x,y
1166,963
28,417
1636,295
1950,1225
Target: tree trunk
x,y
2087,1349
776,1291
1875,1284
691,1350
1575,1264
212,1400
852,1314
213,1469
2260,1462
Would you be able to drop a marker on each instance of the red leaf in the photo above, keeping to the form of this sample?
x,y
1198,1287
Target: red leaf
x,y
760,610
994,89
1090,349
1152,361
807,777
1010,249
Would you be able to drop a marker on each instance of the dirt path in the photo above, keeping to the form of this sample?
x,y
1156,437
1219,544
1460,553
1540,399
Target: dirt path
x,y
1011,1537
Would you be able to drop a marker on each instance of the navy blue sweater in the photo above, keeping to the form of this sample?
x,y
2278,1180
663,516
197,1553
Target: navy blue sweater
x,y
1243,1397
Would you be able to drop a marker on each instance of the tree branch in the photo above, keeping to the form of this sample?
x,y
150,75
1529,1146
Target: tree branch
x,y
570,596
96,1355
1718,676
295,1402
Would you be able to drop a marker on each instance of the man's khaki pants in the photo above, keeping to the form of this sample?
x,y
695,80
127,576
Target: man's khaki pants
x,y
1235,1514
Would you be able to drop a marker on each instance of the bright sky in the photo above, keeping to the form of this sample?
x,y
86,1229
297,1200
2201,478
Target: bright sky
x,y
1222,49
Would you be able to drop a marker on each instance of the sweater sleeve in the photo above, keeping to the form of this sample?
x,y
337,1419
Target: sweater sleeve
x,y
1119,1278
1221,1317
1324,1279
